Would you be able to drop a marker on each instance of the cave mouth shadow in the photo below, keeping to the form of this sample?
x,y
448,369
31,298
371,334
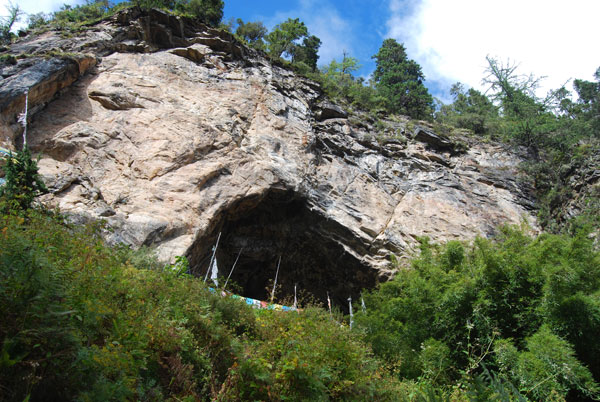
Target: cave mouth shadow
x,y
310,246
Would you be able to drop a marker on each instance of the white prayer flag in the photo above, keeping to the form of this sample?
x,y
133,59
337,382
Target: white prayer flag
x,y
215,273
295,299
23,118
351,315
212,258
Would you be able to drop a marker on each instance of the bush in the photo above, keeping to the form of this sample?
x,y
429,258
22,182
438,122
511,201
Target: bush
x,y
23,183
80,321
526,307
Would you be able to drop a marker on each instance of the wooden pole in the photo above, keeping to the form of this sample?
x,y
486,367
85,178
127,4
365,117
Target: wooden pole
x,y
232,268
275,284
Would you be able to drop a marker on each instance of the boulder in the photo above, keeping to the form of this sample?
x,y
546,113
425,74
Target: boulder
x,y
327,110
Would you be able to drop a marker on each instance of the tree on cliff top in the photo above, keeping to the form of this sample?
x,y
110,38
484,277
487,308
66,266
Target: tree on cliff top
x,y
400,81
282,39
208,11
252,32
285,38
6,23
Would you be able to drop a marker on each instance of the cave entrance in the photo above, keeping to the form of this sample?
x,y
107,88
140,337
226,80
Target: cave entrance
x,y
310,246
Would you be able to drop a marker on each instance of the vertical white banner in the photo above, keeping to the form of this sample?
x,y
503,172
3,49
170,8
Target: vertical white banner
x,y
23,118
351,314
295,298
215,273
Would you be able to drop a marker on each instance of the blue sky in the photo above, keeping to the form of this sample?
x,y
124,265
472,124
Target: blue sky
x,y
448,38
356,26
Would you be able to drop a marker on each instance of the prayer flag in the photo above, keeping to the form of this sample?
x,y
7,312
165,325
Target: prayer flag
x,y
351,315
215,273
295,299
23,118
214,252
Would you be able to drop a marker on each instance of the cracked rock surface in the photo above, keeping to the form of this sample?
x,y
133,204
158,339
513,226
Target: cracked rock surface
x,y
180,133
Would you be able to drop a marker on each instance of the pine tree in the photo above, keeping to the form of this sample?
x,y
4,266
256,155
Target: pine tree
x,y
23,183
400,81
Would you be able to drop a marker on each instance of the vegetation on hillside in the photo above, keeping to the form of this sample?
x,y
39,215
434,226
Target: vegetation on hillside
x,y
73,17
399,82
7,23
522,310
82,321
513,318
23,184
560,135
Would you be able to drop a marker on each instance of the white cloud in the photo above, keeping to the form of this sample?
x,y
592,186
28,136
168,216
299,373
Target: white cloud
x,y
450,39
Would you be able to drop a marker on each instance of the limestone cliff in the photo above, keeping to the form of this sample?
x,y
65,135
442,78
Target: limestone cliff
x,y
174,132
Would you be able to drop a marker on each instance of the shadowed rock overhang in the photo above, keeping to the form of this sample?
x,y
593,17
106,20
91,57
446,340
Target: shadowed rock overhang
x,y
314,251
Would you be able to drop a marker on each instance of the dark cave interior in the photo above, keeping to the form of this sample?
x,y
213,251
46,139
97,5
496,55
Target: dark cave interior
x,y
282,225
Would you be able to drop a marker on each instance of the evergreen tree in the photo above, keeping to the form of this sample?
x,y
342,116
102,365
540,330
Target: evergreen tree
x,y
589,101
528,119
208,11
400,81
282,39
6,23
471,110
252,32
307,53
23,183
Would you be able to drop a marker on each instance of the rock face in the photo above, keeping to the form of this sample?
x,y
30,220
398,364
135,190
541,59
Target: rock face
x,y
176,133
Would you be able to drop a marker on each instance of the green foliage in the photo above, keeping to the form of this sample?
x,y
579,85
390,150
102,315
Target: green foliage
x,y
70,17
293,363
252,33
526,307
471,110
92,10
399,81
588,103
562,137
341,85
207,11
307,53
282,39
38,20
546,369
23,183
6,23
81,322
528,120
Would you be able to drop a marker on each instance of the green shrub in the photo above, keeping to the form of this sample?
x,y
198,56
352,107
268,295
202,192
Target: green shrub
x,y
80,321
507,304
23,183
